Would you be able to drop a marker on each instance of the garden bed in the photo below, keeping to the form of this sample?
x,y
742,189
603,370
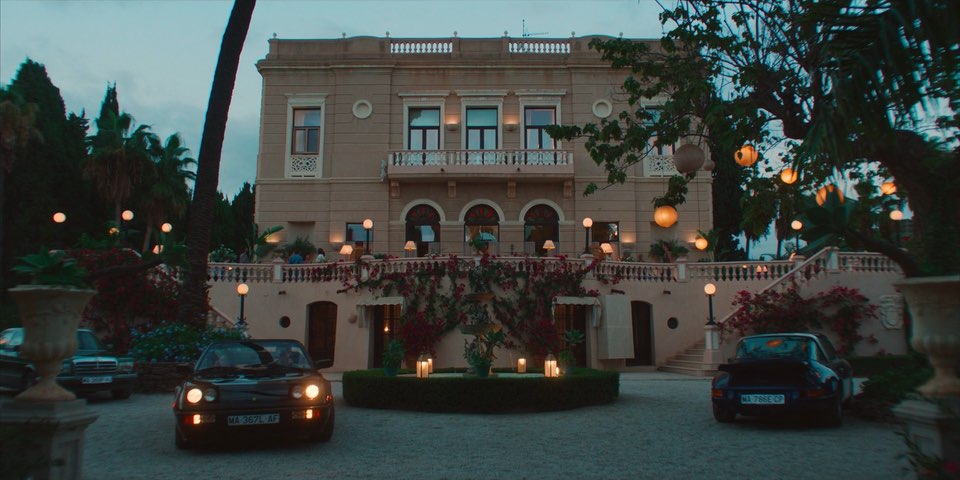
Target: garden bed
x,y
468,394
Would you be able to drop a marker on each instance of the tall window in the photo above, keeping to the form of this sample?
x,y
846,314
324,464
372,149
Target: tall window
x,y
654,113
424,129
357,235
481,128
423,228
481,222
306,131
536,119
606,232
540,223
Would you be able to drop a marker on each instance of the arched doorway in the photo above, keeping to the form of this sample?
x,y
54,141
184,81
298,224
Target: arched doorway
x,y
573,317
386,319
481,222
423,228
540,223
641,313
322,331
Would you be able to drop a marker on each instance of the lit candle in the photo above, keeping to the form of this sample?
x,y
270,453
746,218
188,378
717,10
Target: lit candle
x,y
521,365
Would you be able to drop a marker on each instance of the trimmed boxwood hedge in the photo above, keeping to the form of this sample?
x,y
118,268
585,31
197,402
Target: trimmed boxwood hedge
x,y
372,389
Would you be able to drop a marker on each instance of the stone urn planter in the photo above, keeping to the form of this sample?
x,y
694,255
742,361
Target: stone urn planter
x,y
935,307
50,316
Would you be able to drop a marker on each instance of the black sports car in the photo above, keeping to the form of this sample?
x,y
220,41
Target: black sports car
x,y
781,374
253,386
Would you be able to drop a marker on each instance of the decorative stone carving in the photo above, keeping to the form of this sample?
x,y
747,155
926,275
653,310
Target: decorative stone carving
x,y
362,109
891,311
935,306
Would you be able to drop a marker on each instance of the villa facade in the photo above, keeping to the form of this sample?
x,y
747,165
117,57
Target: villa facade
x,y
440,144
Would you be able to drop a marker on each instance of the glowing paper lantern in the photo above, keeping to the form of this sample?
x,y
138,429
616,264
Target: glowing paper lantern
x,y
827,190
59,217
746,156
896,215
788,176
665,216
701,243
888,188
688,158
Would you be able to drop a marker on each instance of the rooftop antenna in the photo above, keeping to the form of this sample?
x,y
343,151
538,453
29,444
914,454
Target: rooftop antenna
x,y
525,33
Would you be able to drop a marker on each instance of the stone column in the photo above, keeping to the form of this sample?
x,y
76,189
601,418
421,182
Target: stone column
x,y
48,436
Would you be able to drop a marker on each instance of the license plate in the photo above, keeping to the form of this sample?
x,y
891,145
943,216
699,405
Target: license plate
x,y
96,380
264,419
762,399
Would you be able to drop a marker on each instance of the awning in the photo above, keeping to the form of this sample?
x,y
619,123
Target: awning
x,y
576,301
369,302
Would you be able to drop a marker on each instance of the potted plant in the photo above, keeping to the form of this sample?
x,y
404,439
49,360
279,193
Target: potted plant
x,y
50,307
667,250
565,359
479,245
392,356
479,352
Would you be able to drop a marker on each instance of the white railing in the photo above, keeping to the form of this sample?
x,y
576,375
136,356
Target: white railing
x,y
550,47
640,272
738,271
659,166
240,272
421,47
303,166
440,158
867,262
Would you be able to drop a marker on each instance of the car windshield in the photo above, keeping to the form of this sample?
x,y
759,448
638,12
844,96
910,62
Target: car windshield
x,y
254,355
775,347
87,341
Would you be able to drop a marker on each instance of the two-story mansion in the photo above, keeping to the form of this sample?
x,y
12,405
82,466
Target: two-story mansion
x,y
440,142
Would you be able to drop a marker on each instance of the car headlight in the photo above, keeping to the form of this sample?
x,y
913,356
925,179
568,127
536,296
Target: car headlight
x,y
66,368
194,395
312,391
125,364
210,394
296,392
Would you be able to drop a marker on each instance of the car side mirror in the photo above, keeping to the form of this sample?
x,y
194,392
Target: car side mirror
x,y
323,363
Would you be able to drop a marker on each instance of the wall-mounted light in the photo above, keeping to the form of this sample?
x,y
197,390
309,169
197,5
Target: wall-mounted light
x,y
510,127
452,126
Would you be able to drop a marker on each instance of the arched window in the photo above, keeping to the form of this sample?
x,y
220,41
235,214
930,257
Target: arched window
x,y
423,228
541,223
481,223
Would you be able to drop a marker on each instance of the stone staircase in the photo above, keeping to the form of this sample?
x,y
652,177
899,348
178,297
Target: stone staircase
x,y
690,362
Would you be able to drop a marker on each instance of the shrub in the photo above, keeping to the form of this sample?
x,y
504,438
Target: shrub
x,y
175,342
372,389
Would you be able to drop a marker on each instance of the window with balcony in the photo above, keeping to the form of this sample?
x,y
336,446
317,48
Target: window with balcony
x,y
481,223
536,120
423,228
606,232
540,223
423,130
482,128
306,131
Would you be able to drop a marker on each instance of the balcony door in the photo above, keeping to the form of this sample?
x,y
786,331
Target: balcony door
x,y
483,223
322,331
423,228
540,223
642,334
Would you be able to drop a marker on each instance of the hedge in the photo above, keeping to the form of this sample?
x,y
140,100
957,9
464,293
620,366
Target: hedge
x,y
463,394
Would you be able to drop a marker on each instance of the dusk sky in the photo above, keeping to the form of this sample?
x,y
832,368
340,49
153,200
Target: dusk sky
x,y
162,53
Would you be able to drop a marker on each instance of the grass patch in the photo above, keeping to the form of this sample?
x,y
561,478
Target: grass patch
x,y
372,389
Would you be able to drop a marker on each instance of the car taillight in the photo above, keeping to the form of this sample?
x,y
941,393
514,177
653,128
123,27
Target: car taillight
x,y
814,393
716,393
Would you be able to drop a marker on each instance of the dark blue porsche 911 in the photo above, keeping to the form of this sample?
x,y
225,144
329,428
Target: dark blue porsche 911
x,y
783,374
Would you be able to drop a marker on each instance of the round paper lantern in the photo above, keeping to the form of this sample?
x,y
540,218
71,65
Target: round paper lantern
x,y
709,165
688,158
746,156
788,176
896,215
888,188
665,216
701,243
59,217
827,190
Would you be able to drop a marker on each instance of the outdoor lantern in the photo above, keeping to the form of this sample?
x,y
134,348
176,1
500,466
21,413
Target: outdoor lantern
x,y
896,215
423,367
550,367
888,188
701,243
430,363
688,158
746,156
827,190
521,365
59,217
587,223
665,216
242,289
710,289
157,249
166,228
788,176
796,224
127,215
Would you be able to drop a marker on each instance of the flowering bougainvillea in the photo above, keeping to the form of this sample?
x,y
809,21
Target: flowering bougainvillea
x,y
176,342
842,310
121,301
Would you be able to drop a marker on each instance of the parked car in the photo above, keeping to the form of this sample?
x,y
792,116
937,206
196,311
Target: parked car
x,y
782,374
91,369
257,387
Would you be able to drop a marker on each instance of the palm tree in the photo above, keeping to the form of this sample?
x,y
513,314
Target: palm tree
x,y
167,194
119,154
194,293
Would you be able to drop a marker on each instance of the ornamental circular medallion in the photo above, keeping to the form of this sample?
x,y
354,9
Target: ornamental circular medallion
x,y
362,109
602,108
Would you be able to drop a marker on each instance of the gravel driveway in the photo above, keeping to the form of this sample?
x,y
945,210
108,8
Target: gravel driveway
x,y
661,427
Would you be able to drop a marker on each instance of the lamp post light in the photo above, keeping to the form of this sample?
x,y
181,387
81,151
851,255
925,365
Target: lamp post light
x,y
367,225
587,223
710,289
166,228
797,225
59,218
897,216
125,216
242,290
